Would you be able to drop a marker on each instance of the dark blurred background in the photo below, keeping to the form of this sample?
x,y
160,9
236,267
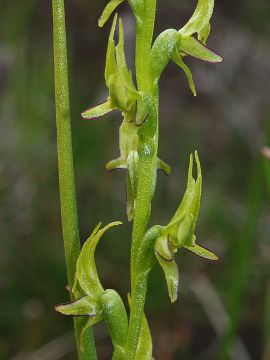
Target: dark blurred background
x,y
223,310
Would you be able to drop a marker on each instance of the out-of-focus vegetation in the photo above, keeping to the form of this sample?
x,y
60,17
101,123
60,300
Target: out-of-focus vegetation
x,y
223,309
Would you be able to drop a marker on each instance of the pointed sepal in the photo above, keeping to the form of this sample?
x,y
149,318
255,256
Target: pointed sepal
x,y
199,19
202,252
85,306
116,164
177,58
98,111
86,273
166,260
195,48
107,12
162,165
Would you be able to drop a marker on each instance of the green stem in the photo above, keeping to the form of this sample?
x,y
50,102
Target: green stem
x,y
147,150
65,161
144,38
137,309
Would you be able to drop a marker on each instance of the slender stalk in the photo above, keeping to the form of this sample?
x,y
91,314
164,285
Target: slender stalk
x,y
147,149
146,168
65,162
144,38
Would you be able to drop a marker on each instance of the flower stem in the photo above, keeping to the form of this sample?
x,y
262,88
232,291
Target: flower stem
x,y
65,162
147,150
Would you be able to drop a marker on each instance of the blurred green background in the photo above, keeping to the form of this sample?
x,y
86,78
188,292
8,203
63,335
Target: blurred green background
x,y
223,310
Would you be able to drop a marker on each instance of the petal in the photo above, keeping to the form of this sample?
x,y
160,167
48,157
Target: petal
x,y
98,111
86,273
186,202
199,19
116,164
196,201
162,248
171,275
109,9
185,230
202,252
179,61
84,306
204,33
111,67
162,165
131,182
130,199
195,48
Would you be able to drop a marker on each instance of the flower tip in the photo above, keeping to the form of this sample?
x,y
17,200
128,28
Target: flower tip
x,y
219,58
59,308
100,23
215,258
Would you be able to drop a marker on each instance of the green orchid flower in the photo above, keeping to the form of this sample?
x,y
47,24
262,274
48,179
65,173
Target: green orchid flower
x,y
122,92
179,233
175,45
91,300
134,106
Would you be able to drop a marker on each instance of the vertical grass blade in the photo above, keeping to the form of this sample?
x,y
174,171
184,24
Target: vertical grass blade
x,y
65,162
243,255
